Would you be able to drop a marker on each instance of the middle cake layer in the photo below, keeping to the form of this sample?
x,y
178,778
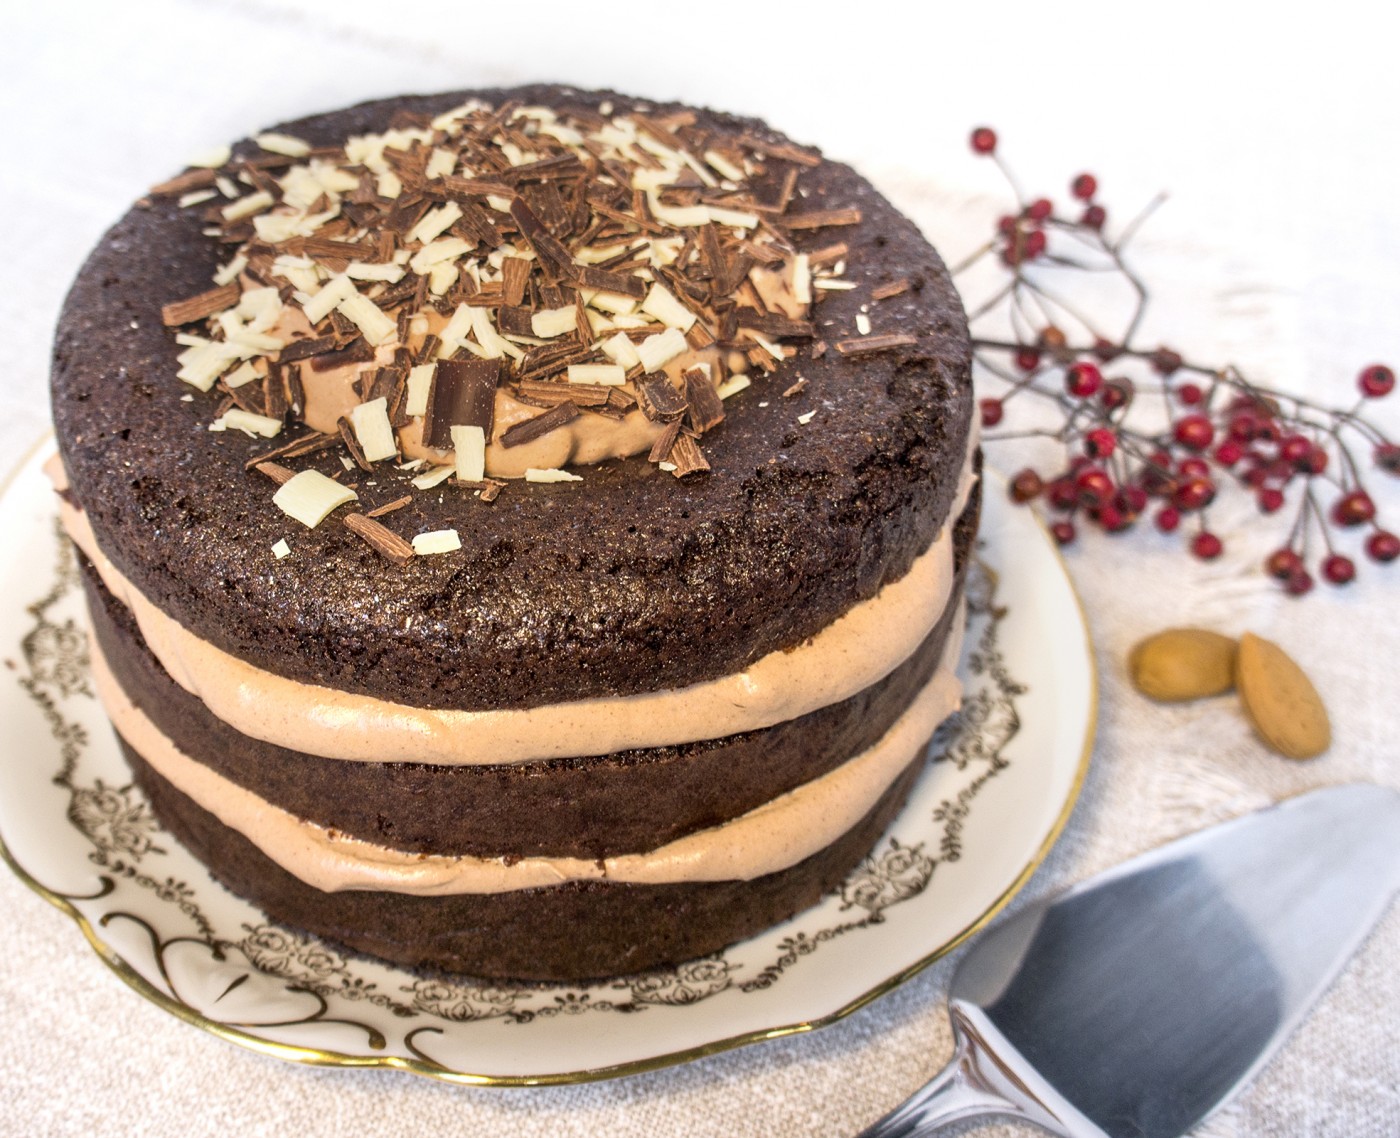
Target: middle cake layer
x,y
592,807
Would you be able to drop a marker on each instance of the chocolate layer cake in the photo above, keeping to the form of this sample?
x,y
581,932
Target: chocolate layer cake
x,y
523,528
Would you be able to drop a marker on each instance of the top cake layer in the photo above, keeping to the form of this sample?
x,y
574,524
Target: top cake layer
x,y
628,581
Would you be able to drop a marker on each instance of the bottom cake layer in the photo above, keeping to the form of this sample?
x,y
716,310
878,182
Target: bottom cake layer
x,y
582,930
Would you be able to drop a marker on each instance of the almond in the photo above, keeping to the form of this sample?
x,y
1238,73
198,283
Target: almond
x,y
1280,700
1183,663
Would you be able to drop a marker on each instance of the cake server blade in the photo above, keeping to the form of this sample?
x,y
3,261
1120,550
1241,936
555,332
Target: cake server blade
x,y
1136,1003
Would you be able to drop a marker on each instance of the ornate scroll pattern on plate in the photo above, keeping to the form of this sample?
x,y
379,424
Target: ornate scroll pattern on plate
x,y
259,975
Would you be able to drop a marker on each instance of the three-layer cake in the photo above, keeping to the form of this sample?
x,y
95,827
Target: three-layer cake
x,y
523,529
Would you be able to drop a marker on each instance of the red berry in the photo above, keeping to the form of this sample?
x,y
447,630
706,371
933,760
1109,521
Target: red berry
x,y
1339,570
1266,430
1383,546
1062,494
1025,486
1207,546
1270,500
1388,457
1084,187
1229,452
1376,380
1100,442
1093,217
1283,563
1063,532
984,140
1106,350
1112,518
1315,463
1168,518
1095,486
1299,583
1190,394
991,412
1353,509
1193,468
1039,209
1083,379
1256,475
1194,494
1166,361
1028,359
1132,500
1194,431
1006,224
1034,244
1295,449
1243,427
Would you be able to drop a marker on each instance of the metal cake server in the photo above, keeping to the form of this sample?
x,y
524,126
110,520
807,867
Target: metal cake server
x,y
1134,1004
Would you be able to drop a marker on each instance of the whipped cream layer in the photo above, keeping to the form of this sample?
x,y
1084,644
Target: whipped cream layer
x,y
856,650
772,837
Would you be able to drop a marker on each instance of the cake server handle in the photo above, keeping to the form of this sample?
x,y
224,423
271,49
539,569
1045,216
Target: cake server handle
x,y
974,1083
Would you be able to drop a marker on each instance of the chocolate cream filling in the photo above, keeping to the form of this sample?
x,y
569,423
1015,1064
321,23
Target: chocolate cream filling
x,y
770,838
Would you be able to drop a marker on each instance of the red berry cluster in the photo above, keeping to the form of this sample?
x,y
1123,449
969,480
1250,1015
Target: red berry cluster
x,y
1210,427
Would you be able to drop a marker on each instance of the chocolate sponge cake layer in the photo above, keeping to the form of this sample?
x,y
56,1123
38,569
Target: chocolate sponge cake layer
x,y
578,931
587,807
629,581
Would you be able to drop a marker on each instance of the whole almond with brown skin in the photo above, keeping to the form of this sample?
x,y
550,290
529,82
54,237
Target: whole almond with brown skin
x,y
1183,663
1280,700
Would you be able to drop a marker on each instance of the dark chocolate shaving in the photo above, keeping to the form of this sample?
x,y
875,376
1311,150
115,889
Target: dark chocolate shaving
x,y
198,307
687,457
462,394
352,443
864,345
540,425
659,400
383,541
706,408
389,507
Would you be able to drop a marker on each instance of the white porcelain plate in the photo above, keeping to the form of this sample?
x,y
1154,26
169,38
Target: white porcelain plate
x,y
997,792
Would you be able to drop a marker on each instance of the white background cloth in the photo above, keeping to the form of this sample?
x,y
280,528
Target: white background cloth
x,y
1277,251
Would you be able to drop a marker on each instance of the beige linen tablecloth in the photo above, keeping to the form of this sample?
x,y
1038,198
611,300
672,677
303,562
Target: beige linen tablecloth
x,y
1277,252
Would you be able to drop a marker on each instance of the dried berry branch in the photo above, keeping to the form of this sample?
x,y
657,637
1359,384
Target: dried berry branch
x,y
1125,455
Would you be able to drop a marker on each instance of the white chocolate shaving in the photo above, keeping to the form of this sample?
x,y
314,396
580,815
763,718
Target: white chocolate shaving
x,y
319,306
283,144
554,322
437,541
420,382
371,271
435,222
620,349
246,207
372,320
434,477
235,418
229,272
733,385
610,375
535,474
655,352
373,430
212,158
469,443
308,496
662,303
